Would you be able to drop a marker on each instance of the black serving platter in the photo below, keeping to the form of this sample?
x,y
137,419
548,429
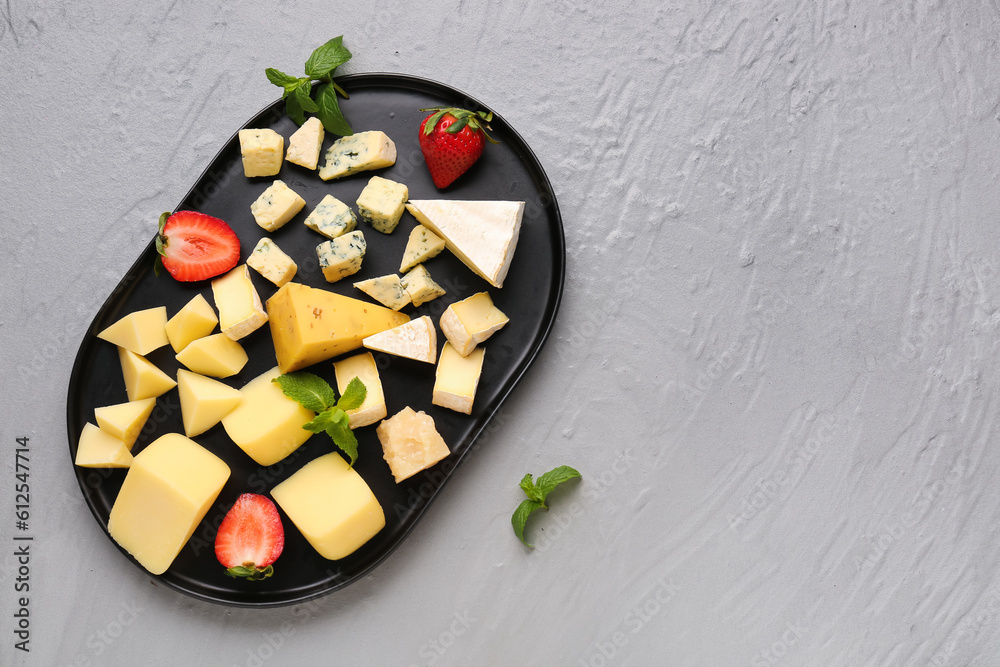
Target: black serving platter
x,y
530,297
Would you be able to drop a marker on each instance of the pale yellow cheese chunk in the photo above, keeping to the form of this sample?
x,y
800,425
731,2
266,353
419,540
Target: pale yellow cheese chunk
x,y
363,367
100,449
240,310
410,443
387,290
471,321
381,203
360,151
416,339
204,401
125,420
276,205
270,261
141,332
420,286
331,505
195,320
305,144
266,424
217,355
456,379
261,151
142,378
165,495
422,245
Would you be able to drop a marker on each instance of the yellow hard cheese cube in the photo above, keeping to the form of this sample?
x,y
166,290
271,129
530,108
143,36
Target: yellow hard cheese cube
x,y
414,340
204,401
125,420
142,378
141,332
359,152
331,505
342,256
240,310
362,366
270,261
309,325
420,286
276,205
410,443
305,144
381,203
266,424
469,322
99,449
261,151
166,493
422,245
217,355
195,320
457,378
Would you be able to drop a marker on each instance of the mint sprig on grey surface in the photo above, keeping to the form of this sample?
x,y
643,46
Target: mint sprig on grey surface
x,y
298,91
537,492
314,393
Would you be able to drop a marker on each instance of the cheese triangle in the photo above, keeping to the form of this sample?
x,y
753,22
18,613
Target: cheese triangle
x,y
204,401
125,420
483,234
413,340
99,449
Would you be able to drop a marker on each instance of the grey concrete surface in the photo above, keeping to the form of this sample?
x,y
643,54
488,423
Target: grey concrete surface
x,y
775,362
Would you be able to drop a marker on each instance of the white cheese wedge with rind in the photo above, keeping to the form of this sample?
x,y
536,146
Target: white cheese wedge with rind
x,y
417,339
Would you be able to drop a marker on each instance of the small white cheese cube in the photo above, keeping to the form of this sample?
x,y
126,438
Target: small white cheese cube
x,y
331,218
359,152
387,290
381,203
420,286
276,205
342,256
270,261
305,144
261,150
457,378
422,245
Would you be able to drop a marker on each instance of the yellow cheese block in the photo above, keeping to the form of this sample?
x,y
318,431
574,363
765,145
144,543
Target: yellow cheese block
x,y
457,378
142,378
217,355
470,321
266,424
310,325
125,420
363,367
331,505
204,401
410,443
99,449
195,320
141,332
166,493
240,310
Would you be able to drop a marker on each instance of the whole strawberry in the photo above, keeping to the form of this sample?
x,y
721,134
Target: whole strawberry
x,y
451,140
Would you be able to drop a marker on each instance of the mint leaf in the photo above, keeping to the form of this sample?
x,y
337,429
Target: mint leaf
x,y
279,78
531,490
343,437
327,58
310,391
554,478
520,518
354,395
302,97
322,421
329,111
294,110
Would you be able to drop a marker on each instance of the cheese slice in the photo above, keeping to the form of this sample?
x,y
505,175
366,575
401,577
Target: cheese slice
x,y
195,320
331,505
142,378
422,245
410,443
413,340
276,205
217,355
261,152
240,310
381,203
471,321
361,151
125,420
342,256
387,290
305,144
309,325
270,261
141,332
204,401
363,367
483,234
266,424
419,285
331,218
100,449
456,379
165,495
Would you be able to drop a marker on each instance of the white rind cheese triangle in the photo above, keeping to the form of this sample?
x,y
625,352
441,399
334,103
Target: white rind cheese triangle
x,y
416,339
483,234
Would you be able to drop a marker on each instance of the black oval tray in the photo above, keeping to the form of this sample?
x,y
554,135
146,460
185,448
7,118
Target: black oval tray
x,y
530,297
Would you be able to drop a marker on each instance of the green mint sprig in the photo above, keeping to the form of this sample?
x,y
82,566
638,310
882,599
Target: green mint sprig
x,y
537,492
298,90
313,393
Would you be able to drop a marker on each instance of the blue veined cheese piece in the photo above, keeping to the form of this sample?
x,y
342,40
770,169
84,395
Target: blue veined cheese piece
x,y
331,218
276,205
420,286
342,256
270,261
359,152
381,203
387,290
422,245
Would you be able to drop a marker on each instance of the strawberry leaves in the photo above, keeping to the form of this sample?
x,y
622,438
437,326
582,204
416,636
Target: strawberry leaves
x,y
315,394
298,90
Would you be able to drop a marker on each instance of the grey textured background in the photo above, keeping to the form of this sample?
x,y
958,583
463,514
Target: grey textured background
x,y
775,363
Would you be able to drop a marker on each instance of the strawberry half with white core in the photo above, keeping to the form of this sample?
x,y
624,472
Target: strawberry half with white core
x,y
250,538
451,140
194,246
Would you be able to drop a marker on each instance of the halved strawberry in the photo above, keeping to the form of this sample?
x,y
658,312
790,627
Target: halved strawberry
x,y
250,538
194,246
451,140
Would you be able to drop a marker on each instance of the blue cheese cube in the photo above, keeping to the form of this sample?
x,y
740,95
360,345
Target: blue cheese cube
x,y
420,286
422,245
381,203
305,144
359,152
342,256
387,290
276,206
270,261
261,151
331,218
